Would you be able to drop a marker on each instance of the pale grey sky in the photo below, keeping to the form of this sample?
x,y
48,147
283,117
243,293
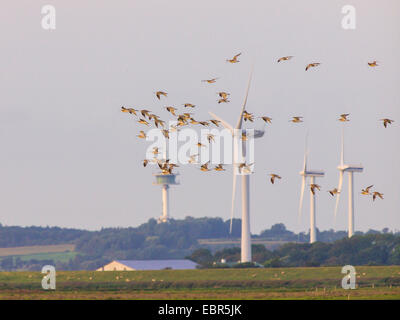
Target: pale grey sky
x,y
70,158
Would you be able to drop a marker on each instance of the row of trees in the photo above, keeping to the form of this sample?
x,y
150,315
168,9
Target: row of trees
x,y
173,240
370,249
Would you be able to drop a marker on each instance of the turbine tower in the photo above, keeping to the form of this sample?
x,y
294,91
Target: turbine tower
x,y
238,159
350,169
165,180
313,174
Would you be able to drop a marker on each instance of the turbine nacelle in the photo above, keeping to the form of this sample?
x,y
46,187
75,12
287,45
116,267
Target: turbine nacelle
x,y
351,168
312,173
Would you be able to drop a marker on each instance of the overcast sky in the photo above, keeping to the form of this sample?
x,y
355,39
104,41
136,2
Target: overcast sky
x,y
70,158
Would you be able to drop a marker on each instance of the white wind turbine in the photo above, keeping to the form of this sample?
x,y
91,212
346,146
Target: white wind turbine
x,y
350,169
238,159
312,174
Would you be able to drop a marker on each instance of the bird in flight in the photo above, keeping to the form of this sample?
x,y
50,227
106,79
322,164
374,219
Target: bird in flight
x,y
225,100
386,122
343,117
160,93
312,65
296,119
215,122
210,138
219,167
285,58
210,80
145,113
223,94
334,191
189,105
171,110
165,133
159,122
377,194
142,135
234,59
192,158
273,177
129,110
204,167
373,64
248,116
314,186
246,168
267,119
366,190
145,162
142,121
199,144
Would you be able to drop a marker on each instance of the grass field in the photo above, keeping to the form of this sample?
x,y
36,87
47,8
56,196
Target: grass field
x,y
18,251
279,283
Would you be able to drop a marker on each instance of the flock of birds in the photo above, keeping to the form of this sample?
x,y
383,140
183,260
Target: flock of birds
x,y
186,118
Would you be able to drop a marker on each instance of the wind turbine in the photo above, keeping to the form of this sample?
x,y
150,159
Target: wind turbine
x,y
350,169
238,159
313,174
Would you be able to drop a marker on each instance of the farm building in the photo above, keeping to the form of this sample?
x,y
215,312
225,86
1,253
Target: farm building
x,y
132,265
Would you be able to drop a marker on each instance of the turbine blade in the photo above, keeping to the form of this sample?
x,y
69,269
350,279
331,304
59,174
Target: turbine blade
x,y
339,191
233,197
342,150
305,153
303,186
239,123
223,122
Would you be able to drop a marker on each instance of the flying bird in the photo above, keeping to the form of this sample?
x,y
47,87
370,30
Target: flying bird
x,y
334,191
373,64
314,186
199,144
145,162
273,177
267,119
248,116
165,133
189,105
171,110
386,122
215,122
142,135
296,119
377,194
225,100
210,138
210,80
219,167
246,168
129,110
312,65
160,93
142,121
145,113
343,117
223,94
159,122
234,59
192,158
366,190
285,58
204,167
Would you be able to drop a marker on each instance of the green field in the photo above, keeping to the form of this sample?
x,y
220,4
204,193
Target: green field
x,y
279,283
